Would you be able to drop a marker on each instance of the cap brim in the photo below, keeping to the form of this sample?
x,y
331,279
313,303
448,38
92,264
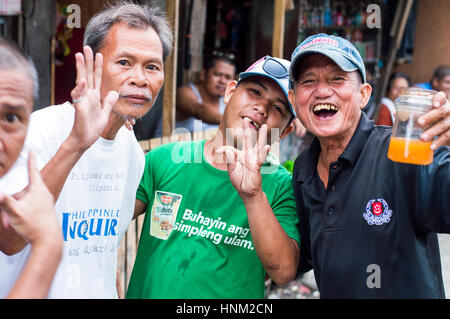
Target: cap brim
x,y
245,75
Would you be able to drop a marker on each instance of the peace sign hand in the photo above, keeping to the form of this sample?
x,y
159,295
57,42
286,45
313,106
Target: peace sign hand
x,y
244,166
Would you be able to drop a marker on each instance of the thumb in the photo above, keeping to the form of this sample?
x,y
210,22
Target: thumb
x,y
5,219
8,206
109,101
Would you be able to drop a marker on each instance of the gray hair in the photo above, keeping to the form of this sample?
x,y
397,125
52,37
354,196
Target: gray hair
x,y
13,58
135,16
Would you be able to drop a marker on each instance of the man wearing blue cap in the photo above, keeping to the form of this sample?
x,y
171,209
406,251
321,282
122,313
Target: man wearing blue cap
x,y
220,214
344,182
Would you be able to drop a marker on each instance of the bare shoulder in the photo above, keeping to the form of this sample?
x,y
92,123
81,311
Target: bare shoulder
x,y
186,92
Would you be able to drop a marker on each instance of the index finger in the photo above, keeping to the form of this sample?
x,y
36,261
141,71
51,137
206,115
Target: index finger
x,y
80,66
439,99
262,143
34,176
441,109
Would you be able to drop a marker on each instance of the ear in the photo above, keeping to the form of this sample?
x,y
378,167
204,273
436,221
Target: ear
x,y
287,131
231,87
203,75
365,90
435,83
291,97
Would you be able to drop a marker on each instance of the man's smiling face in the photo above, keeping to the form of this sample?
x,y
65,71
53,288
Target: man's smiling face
x,y
260,100
328,100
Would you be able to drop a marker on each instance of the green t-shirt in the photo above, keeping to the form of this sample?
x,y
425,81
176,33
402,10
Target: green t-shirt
x,y
195,240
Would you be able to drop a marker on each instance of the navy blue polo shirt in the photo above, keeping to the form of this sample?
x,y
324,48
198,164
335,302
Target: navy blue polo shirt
x,y
372,232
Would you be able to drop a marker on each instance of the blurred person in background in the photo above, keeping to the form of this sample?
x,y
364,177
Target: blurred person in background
x,y
397,81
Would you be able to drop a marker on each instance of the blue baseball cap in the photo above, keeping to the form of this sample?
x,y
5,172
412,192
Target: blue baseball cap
x,y
338,49
275,69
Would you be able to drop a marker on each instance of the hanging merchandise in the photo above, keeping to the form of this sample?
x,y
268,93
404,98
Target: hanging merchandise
x,y
347,19
327,13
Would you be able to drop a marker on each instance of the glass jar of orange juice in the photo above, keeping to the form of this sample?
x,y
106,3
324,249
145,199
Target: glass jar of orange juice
x,y
405,145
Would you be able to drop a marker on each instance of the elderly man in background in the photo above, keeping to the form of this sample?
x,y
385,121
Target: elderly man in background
x,y
93,164
30,212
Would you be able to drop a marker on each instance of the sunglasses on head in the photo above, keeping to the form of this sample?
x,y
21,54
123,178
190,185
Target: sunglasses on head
x,y
275,68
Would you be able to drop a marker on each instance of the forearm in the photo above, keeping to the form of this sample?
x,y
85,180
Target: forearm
x,y
208,114
37,275
58,168
279,254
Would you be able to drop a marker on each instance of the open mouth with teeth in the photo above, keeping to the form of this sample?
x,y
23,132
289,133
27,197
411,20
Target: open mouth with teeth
x,y
254,124
324,110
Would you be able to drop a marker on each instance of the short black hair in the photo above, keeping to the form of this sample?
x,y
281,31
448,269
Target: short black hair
x,y
441,72
211,59
397,75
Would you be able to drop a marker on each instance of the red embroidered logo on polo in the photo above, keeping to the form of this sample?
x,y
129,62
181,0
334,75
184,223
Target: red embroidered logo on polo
x,y
377,212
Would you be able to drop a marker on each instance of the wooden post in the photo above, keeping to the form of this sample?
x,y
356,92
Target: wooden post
x,y
170,71
278,28
398,28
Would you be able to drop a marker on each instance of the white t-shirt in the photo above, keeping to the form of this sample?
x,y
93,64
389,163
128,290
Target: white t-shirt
x,y
11,266
95,206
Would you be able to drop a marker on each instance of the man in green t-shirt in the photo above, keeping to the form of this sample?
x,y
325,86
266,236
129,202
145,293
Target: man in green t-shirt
x,y
220,214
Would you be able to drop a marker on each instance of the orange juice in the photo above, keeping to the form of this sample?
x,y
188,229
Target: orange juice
x,y
410,151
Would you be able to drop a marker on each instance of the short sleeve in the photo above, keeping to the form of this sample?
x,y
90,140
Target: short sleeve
x,y
146,186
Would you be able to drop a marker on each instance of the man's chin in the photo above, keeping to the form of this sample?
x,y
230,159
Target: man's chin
x,y
135,112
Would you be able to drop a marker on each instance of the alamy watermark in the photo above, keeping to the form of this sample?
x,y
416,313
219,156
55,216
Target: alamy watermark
x,y
374,17
374,279
182,152
73,16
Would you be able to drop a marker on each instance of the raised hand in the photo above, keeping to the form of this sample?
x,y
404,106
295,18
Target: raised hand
x,y
91,113
244,166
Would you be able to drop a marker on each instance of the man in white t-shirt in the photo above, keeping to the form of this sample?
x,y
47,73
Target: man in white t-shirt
x,y
93,164
30,213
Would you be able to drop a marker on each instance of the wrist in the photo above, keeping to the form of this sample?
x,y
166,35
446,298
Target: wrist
x,y
254,198
49,243
72,147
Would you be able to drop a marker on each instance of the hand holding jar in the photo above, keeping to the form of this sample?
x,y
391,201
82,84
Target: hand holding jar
x,y
437,122
421,116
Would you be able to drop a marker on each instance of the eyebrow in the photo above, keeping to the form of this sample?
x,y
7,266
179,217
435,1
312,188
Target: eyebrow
x,y
261,85
286,105
334,69
18,107
133,56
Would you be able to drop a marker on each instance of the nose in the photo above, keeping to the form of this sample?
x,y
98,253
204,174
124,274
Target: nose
x,y
260,108
322,90
223,79
138,77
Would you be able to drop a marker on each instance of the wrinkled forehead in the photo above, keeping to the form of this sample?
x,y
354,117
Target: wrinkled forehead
x,y
16,87
315,61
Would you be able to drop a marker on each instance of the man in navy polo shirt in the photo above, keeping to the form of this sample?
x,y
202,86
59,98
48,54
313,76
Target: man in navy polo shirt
x,y
368,225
